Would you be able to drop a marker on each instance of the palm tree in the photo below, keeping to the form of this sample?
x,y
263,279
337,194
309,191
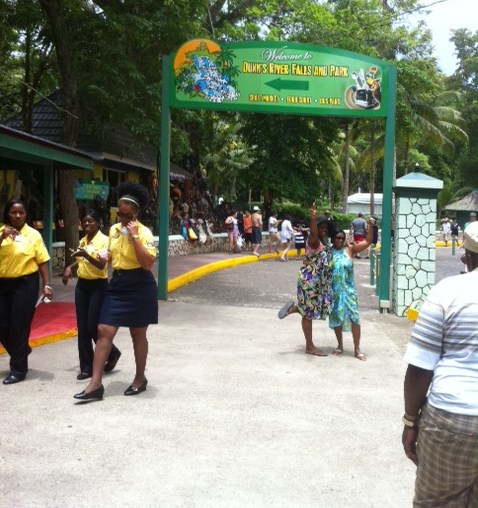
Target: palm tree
x,y
226,156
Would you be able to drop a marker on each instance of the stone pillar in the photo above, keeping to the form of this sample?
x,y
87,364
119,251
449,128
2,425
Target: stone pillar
x,y
414,246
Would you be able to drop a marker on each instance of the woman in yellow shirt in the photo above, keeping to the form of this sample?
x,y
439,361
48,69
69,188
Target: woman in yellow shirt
x,y
22,256
91,257
132,296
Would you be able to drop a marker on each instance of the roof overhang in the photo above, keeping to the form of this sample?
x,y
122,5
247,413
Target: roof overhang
x,y
17,147
122,163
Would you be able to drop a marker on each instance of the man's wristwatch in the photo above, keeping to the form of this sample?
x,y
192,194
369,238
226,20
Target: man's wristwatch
x,y
410,421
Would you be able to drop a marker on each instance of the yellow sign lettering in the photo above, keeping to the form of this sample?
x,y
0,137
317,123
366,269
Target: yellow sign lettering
x,y
278,68
301,70
254,68
321,70
338,71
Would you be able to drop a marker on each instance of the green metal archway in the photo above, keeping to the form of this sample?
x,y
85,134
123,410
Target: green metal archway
x,y
277,77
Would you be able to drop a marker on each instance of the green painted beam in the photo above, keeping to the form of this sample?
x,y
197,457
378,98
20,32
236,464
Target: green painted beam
x,y
41,153
48,213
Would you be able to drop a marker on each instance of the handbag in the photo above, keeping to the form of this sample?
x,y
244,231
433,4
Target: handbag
x,y
192,234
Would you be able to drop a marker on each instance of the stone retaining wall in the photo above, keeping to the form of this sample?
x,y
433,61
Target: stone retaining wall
x,y
178,246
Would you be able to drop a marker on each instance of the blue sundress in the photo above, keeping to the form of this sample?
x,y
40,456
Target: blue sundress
x,y
345,304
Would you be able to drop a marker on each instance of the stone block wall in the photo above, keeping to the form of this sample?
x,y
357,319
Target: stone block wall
x,y
414,253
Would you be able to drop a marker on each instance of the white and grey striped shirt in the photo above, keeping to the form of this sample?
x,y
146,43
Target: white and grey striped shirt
x,y
445,340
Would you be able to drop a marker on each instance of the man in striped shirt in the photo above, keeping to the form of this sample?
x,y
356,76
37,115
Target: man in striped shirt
x,y
441,390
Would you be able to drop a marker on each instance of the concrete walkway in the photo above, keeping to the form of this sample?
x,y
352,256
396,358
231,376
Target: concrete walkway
x,y
235,415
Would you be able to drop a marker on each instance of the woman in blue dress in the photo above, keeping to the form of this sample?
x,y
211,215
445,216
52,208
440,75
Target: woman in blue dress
x,y
344,315
314,295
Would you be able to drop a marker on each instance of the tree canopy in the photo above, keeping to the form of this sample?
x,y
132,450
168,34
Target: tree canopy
x,y
105,55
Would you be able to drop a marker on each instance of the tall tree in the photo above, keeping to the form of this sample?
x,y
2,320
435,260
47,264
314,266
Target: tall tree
x,y
59,19
465,79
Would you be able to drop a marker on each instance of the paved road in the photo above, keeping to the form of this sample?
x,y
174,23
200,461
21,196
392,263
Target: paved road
x,y
270,283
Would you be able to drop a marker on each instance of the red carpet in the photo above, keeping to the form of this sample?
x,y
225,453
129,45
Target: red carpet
x,y
53,321
53,318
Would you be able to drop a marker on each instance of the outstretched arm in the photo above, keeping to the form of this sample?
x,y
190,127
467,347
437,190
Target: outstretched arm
x,y
313,238
355,248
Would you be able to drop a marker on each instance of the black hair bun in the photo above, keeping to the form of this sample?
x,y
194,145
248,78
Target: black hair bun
x,y
136,190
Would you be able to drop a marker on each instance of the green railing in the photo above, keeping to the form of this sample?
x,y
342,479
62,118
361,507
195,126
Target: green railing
x,y
375,269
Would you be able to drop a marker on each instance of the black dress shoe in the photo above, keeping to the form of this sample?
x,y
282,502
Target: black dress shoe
x,y
111,364
83,375
131,390
93,395
13,378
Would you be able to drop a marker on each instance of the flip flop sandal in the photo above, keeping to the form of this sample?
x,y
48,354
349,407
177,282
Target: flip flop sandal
x,y
316,353
285,310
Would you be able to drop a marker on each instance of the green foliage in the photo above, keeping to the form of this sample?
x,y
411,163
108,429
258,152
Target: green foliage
x,y
466,79
444,197
296,212
116,62
343,220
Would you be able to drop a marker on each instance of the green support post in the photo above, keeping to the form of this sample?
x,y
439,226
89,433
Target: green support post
x,y
377,275
372,265
163,179
386,241
48,209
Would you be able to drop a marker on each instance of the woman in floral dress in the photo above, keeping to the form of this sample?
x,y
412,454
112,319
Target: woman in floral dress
x,y
314,292
344,315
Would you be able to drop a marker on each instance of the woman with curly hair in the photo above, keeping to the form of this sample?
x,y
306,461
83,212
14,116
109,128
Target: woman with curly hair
x,y
131,298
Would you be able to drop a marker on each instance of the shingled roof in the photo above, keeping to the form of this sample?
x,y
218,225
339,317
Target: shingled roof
x,y
467,204
116,144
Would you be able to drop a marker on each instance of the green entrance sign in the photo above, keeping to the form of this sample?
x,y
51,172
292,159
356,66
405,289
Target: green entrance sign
x,y
278,77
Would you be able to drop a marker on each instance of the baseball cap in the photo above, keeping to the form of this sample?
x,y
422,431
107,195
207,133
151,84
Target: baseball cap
x,y
256,208
472,214
470,237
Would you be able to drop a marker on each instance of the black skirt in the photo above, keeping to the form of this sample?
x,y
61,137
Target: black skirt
x,y
131,299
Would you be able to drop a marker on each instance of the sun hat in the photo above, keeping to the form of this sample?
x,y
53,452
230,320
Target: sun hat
x,y
470,237
330,226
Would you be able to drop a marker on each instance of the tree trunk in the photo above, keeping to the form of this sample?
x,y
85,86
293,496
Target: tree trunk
x,y
57,15
26,92
347,169
406,161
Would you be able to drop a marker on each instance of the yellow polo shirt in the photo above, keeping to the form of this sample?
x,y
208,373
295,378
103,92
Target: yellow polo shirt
x,y
22,256
99,244
123,255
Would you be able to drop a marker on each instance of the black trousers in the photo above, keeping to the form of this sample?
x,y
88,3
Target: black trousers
x,y
18,297
89,296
